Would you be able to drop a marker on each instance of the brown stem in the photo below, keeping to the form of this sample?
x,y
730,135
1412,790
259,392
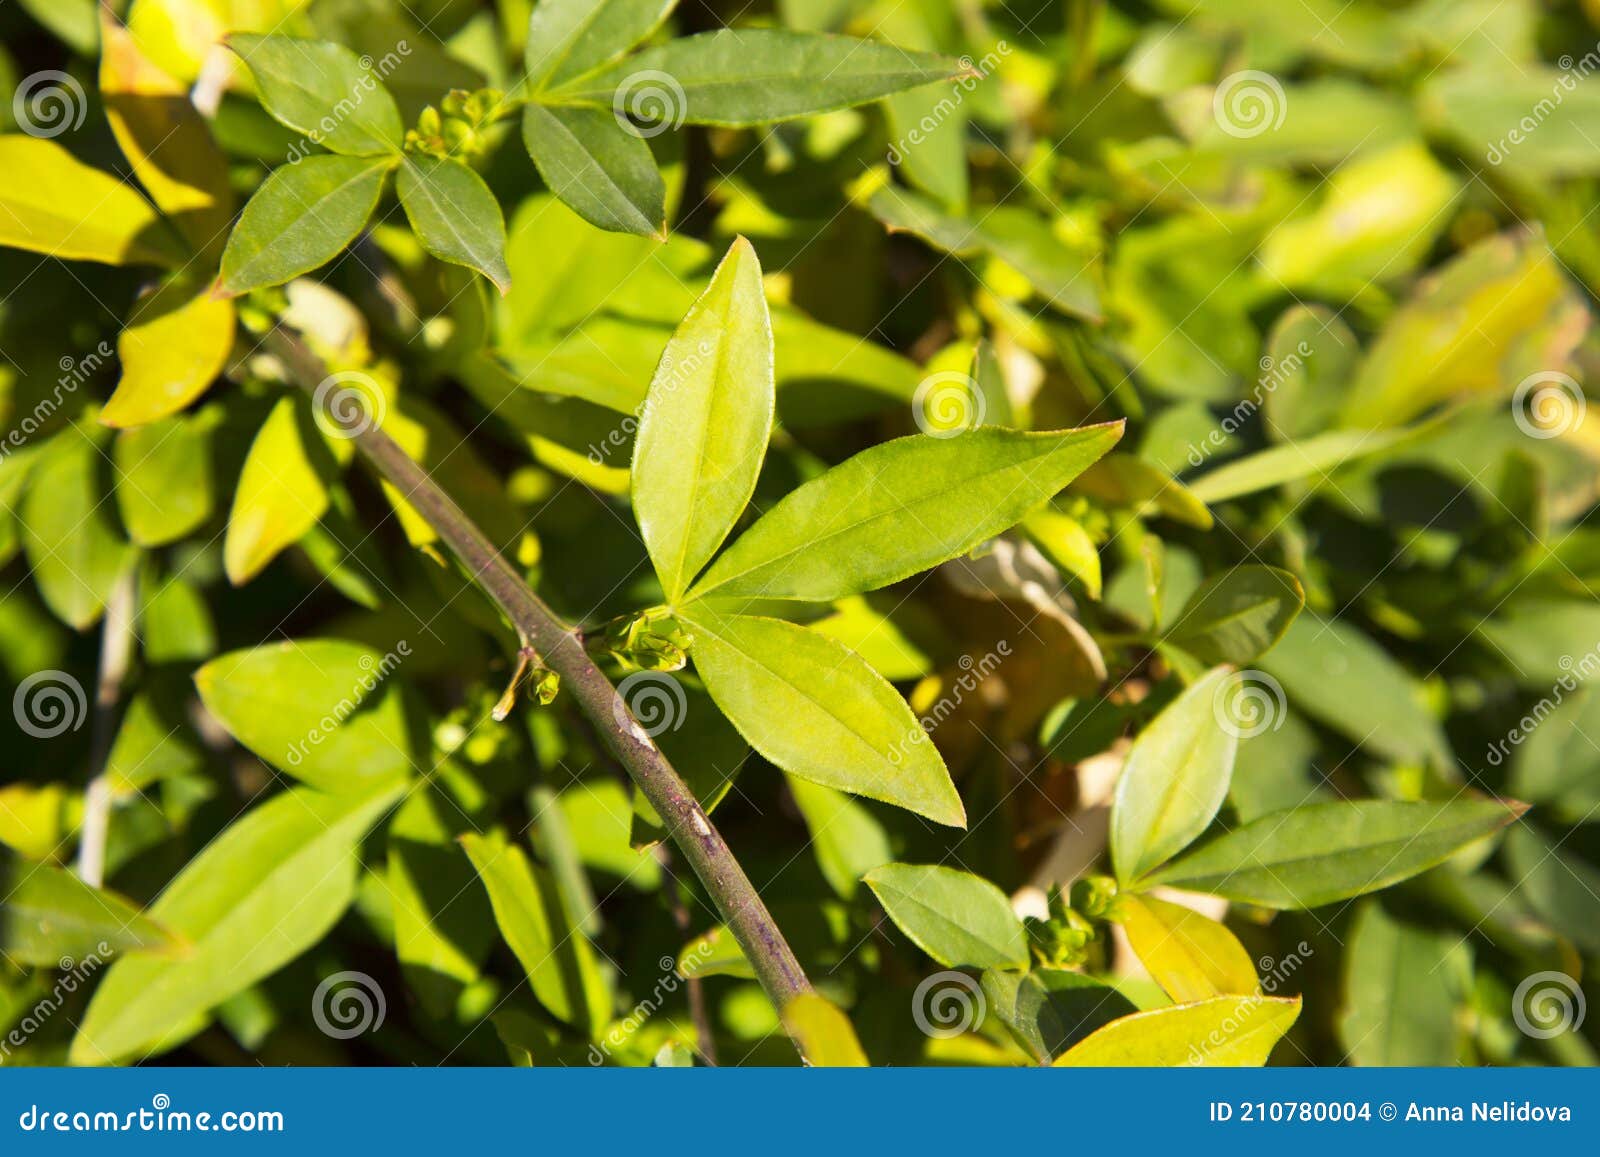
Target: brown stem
x,y
561,649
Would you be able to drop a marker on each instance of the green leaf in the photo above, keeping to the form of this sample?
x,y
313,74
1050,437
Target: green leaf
x,y
1049,1010
567,38
1324,852
752,76
164,487
1558,885
455,216
847,840
554,953
322,710
819,712
69,210
174,346
955,917
703,431
53,919
1403,988
1174,779
1276,465
73,545
823,1033
1558,764
1224,1031
323,90
1239,615
282,491
1191,956
602,170
301,218
269,887
900,508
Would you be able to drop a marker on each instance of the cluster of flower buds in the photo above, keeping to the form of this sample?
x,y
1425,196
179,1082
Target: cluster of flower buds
x,y
1063,939
648,641
457,128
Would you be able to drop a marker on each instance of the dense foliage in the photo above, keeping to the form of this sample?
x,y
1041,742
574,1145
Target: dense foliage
x,y
1096,501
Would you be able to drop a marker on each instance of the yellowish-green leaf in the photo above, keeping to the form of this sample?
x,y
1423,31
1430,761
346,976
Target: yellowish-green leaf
x,y
1225,1031
606,173
175,344
71,210
282,492
1192,957
164,487
900,508
1174,780
567,38
819,712
703,432
73,544
301,218
53,919
323,90
959,919
823,1033
269,887
164,138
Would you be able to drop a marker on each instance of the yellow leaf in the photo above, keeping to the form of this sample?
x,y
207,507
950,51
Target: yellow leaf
x,y
823,1033
36,820
281,493
1191,956
53,203
175,344
164,138
1221,1032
